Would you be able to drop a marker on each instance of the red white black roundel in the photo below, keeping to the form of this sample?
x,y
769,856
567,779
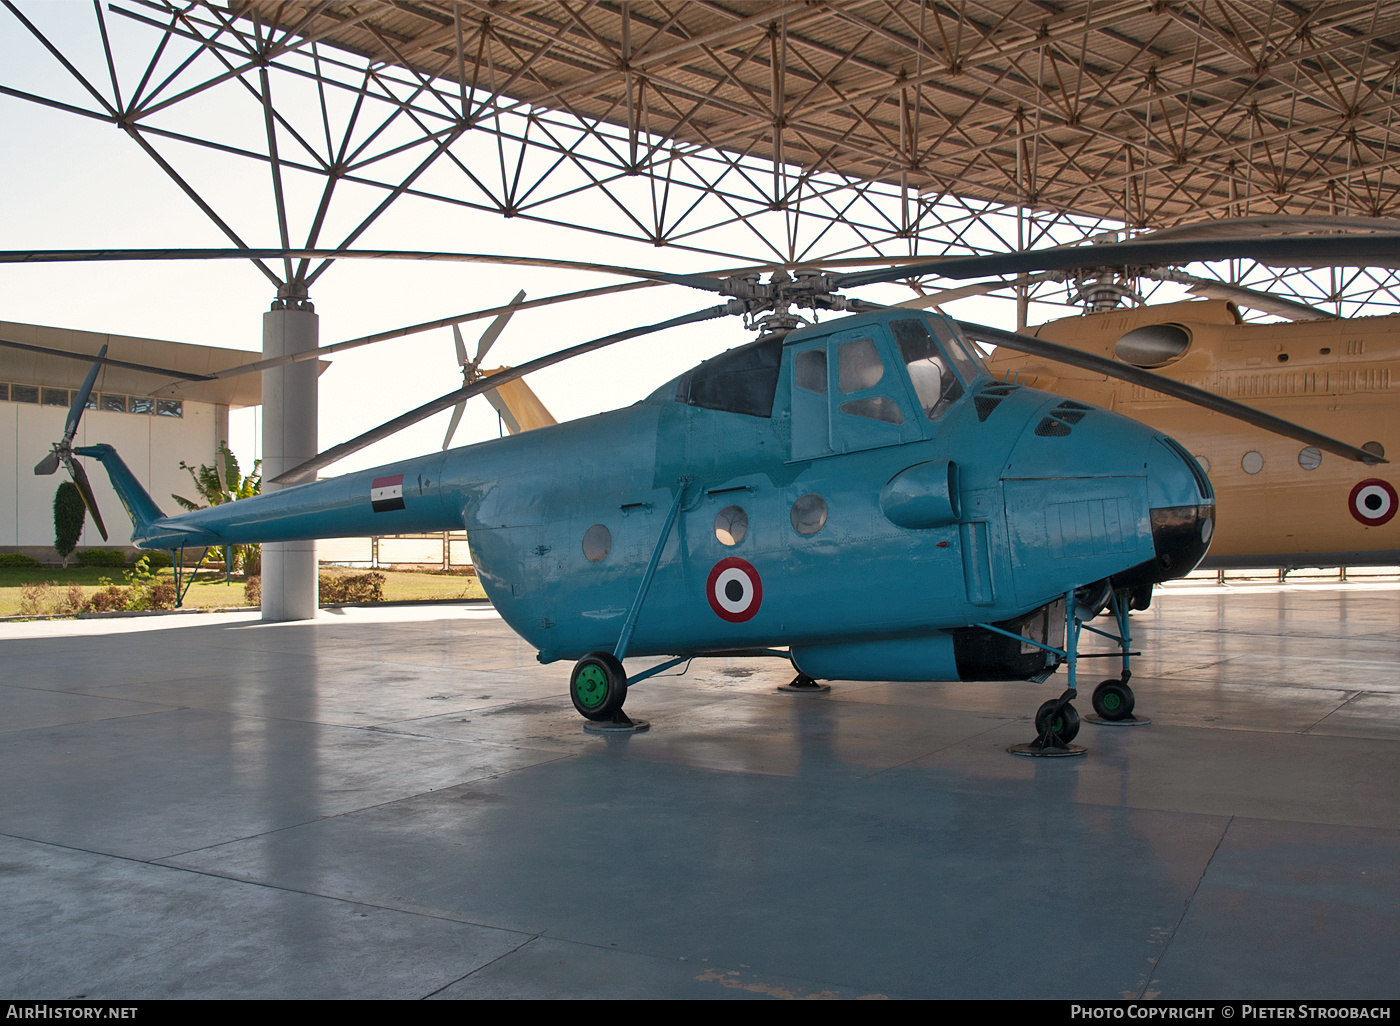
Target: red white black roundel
x,y
1373,502
734,590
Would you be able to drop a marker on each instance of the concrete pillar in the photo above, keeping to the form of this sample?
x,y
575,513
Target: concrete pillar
x,y
289,590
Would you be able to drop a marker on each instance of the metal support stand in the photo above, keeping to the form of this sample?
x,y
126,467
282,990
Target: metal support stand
x,y
179,561
805,685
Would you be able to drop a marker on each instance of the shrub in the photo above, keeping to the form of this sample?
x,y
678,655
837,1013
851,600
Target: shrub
x,y
367,587
36,599
68,515
102,557
161,595
252,590
18,559
156,559
109,600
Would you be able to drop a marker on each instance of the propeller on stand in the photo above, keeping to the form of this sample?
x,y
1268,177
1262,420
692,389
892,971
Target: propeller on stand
x,y
62,452
471,369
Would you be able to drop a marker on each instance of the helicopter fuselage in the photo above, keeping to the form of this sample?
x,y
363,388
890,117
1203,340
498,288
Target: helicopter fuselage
x,y
860,493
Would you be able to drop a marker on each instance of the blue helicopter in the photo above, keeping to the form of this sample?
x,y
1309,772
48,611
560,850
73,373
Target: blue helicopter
x,y
974,526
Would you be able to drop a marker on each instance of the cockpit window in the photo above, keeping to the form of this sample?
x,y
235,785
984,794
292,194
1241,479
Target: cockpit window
x,y
933,378
858,365
742,380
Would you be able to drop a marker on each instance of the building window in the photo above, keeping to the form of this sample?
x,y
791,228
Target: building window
x,y
169,408
55,397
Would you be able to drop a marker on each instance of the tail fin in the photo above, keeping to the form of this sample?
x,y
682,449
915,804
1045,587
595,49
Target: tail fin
x,y
139,505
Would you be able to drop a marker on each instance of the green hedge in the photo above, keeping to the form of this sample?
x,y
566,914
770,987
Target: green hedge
x,y
18,559
102,557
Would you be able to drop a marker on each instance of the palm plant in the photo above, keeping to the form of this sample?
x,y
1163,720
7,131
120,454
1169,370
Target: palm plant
x,y
220,483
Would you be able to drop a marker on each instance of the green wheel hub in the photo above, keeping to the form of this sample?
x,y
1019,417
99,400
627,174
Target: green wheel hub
x,y
591,686
1112,701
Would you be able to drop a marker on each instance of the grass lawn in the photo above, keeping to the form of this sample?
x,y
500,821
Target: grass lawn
x,y
210,592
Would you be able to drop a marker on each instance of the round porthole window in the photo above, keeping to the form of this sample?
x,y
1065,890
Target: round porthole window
x,y
597,543
731,524
1310,457
1205,463
1253,462
809,514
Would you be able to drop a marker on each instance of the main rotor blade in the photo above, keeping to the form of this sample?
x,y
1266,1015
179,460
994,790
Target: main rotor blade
x,y
80,398
305,471
165,372
47,465
413,329
695,281
1252,298
489,336
80,479
1378,249
1160,383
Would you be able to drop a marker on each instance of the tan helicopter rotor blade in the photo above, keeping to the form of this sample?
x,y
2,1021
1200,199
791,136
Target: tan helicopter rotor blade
x,y
1159,383
305,471
519,408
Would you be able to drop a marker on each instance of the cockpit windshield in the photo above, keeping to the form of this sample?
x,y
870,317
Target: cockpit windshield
x,y
931,372
962,352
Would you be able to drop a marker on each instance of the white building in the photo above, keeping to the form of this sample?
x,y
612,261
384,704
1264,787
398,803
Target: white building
x,y
152,422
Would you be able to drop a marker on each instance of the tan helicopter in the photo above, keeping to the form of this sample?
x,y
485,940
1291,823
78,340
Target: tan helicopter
x,y
1280,505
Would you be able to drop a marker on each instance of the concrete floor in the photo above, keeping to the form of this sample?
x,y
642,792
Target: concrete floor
x,y
401,803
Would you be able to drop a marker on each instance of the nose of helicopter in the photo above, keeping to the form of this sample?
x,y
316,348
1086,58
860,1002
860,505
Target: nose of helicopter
x,y
1182,505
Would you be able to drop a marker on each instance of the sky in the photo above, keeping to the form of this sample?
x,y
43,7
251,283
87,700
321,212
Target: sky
x,y
70,181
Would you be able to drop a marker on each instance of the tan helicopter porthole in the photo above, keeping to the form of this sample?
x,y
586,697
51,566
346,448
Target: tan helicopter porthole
x,y
1205,464
597,543
1310,457
809,514
1375,449
1253,462
731,524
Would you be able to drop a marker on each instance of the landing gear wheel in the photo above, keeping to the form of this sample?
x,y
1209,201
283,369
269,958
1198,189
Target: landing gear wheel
x,y
1064,725
598,686
1113,700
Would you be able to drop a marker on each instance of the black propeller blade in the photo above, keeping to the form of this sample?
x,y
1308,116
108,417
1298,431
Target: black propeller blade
x,y
62,451
1378,249
306,471
1159,383
80,479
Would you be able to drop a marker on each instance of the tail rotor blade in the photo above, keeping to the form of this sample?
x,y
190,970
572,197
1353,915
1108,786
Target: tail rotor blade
x,y
489,336
452,425
80,398
48,464
80,479
461,346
